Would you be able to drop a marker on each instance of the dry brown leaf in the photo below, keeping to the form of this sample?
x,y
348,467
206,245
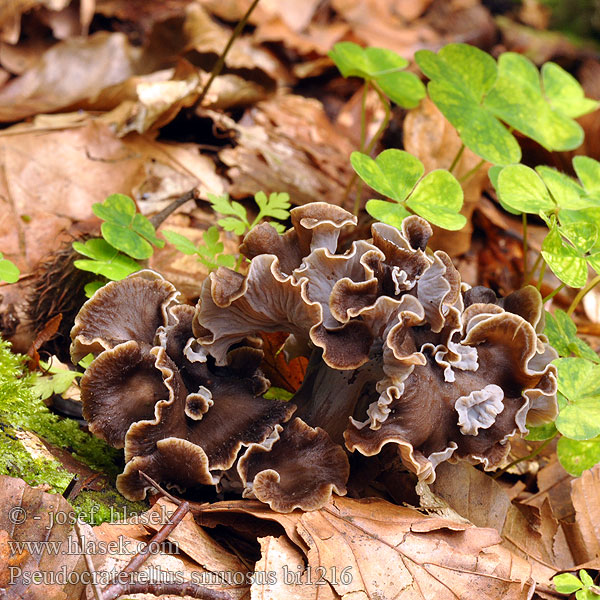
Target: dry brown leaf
x,y
586,500
390,551
282,374
287,144
431,138
189,554
49,179
31,515
11,11
530,532
69,72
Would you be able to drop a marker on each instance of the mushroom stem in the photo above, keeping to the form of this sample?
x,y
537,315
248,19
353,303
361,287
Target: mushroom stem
x,y
328,397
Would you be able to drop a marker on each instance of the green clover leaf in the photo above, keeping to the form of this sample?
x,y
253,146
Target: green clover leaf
x,y
105,260
565,261
460,78
383,66
398,175
567,583
562,335
124,228
579,386
9,272
577,456
564,93
523,190
517,99
588,171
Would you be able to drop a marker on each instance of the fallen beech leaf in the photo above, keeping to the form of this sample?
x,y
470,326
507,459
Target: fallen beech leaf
x,y
389,551
45,334
586,500
287,143
10,15
37,534
281,374
531,532
49,179
69,72
189,554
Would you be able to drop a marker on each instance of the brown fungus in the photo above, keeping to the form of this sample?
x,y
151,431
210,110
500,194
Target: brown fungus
x,y
402,355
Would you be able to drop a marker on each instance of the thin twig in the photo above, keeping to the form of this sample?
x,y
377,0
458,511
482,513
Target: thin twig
x,y
531,455
173,589
582,293
158,218
221,60
159,489
115,590
90,565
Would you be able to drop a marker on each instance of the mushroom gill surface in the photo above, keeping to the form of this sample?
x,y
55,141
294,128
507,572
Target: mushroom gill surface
x,y
402,354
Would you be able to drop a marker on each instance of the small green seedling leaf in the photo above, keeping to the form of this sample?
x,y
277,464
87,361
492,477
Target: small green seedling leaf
x,y
461,77
236,219
92,287
209,254
564,260
562,335
383,66
438,198
579,384
543,432
585,578
276,206
9,272
588,171
577,456
566,583
124,228
394,173
398,175
58,382
564,93
523,190
564,190
105,260
518,99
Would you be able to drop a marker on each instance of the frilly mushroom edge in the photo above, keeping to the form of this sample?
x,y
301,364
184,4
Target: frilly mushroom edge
x,y
401,353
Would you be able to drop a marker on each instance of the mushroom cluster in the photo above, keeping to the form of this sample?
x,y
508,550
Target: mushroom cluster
x,y
401,353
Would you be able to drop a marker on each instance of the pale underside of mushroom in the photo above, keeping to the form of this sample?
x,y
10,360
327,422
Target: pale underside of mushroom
x,y
401,354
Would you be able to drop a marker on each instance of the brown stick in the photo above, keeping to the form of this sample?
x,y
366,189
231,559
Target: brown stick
x,y
114,590
158,218
175,589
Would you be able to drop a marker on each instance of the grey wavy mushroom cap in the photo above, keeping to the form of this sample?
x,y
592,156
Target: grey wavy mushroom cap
x,y
401,354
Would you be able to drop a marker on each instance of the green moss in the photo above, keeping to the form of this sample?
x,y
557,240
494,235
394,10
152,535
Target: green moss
x,y
21,409
96,507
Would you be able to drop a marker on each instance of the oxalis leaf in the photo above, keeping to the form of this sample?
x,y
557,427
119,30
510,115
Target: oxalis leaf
x,y
398,175
124,228
106,260
518,99
475,94
564,260
577,456
9,272
461,76
382,66
562,335
579,386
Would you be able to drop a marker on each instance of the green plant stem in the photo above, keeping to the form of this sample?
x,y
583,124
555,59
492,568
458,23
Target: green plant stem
x,y
525,247
472,171
591,285
541,276
553,293
531,455
384,123
363,139
529,274
221,60
457,158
